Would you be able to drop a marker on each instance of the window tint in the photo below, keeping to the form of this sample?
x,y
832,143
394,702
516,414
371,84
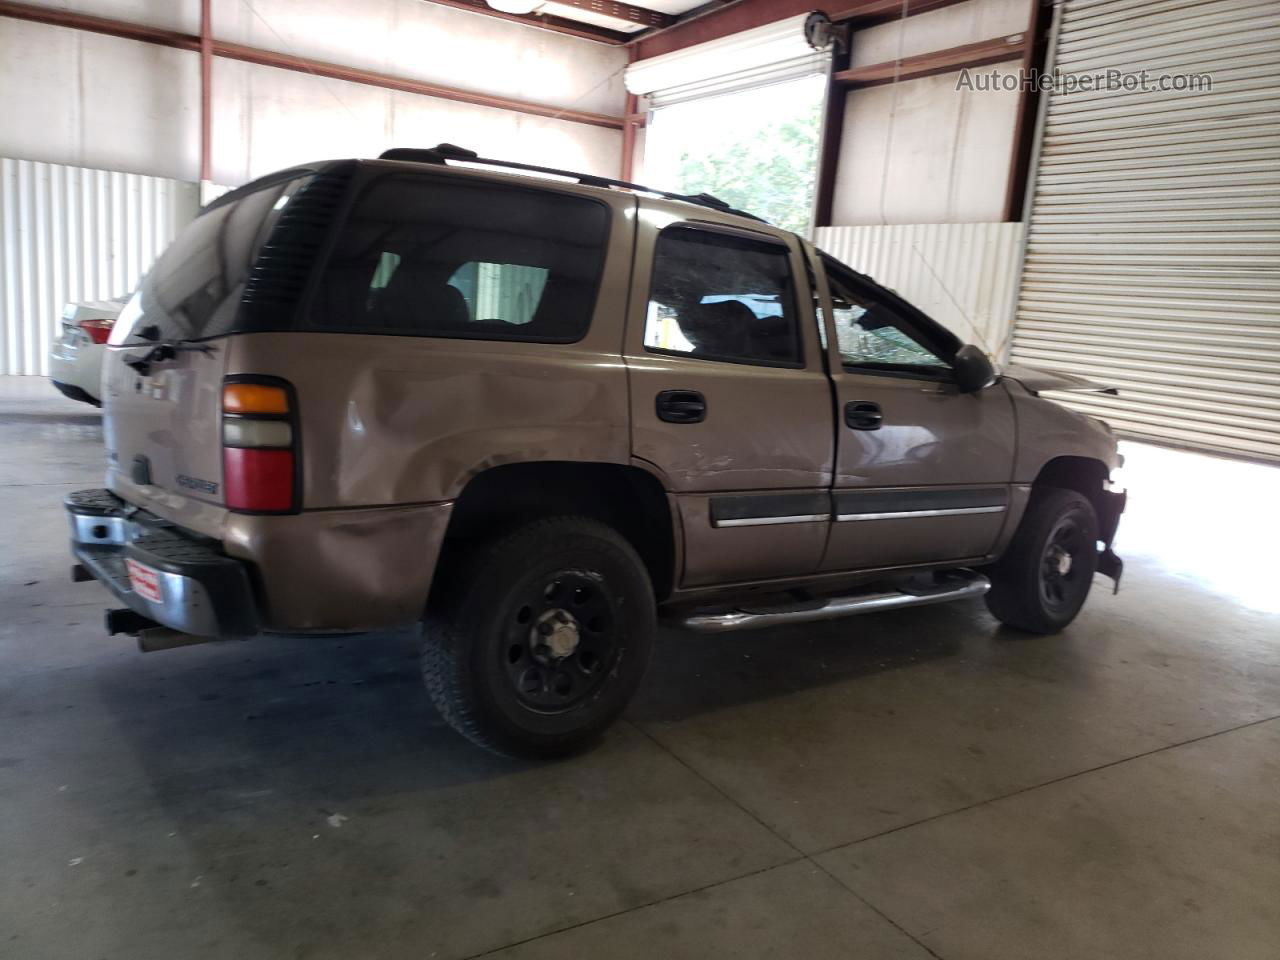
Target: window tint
x,y
427,257
722,297
195,286
869,334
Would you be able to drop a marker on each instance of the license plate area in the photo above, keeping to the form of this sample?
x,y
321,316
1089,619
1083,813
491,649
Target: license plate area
x,y
144,581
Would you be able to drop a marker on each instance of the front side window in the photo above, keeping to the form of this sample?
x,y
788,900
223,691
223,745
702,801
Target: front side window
x,y
872,336
719,296
422,256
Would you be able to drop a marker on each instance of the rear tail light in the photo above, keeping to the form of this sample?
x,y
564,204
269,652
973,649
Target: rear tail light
x,y
259,446
97,330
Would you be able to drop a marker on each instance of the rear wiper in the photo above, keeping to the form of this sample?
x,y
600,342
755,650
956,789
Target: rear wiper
x,y
161,350
177,345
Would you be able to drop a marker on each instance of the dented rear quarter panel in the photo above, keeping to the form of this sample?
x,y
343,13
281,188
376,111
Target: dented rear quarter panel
x,y
402,420
392,420
340,570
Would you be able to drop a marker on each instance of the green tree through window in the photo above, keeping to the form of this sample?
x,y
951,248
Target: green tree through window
x,y
769,170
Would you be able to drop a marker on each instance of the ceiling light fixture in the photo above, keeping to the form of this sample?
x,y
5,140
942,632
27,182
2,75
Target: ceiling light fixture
x,y
514,6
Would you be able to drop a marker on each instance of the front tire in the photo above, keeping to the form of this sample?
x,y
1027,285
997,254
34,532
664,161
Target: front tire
x,y
536,640
1043,579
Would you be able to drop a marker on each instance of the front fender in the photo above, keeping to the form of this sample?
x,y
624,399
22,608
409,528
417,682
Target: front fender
x,y
1048,431
1059,447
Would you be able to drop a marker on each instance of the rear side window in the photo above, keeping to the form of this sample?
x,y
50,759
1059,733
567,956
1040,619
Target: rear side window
x,y
427,257
719,296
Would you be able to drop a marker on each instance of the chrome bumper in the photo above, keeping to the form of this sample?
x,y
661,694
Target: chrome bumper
x,y
201,590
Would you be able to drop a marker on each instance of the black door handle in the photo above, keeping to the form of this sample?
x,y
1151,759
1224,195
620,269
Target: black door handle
x,y
863,415
681,406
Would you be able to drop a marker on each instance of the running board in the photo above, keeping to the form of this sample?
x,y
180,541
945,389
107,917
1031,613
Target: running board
x,y
953,585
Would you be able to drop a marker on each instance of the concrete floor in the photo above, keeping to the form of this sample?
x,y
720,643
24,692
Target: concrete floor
x,y
898,786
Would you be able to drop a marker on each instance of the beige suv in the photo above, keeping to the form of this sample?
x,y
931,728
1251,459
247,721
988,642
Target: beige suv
x,y
533,414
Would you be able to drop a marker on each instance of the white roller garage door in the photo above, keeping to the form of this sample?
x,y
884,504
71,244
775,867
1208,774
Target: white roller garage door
x,y
1153,252
773,53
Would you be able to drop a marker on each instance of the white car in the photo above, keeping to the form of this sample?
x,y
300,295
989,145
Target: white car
x,y
75,362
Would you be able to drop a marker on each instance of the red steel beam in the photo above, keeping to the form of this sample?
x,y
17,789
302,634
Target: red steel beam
x,y
334,71
832,137
206,89
980,54
1024,129
630,104
282,61
91,24
744,14
629,140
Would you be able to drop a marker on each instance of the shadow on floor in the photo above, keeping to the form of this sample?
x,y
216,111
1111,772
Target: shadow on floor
x,y
696,673
347,717
340,717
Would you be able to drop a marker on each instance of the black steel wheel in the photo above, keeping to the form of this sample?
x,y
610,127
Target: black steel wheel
x,y
1043,579
559,645
1061,563
535,641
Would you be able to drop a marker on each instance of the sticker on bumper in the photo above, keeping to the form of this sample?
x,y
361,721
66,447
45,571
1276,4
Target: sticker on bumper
x,y
144,581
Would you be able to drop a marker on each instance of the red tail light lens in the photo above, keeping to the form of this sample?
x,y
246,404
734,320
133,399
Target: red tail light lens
x,y
97,330
259,447
258,480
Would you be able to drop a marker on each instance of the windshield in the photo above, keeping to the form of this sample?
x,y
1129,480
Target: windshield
x,y
193,291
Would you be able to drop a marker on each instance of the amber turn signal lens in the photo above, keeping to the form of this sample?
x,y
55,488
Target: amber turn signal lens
x,y
254,398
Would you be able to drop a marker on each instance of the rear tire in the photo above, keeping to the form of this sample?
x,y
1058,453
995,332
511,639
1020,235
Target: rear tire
x,y
536,640
1043,579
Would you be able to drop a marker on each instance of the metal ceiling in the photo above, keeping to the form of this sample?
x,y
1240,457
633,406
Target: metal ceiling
x,y
610,21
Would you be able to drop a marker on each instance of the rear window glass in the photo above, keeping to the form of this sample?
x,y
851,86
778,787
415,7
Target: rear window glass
x,y
193,291
424,257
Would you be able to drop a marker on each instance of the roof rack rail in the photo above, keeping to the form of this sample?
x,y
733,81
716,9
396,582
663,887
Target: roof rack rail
x,y
443,152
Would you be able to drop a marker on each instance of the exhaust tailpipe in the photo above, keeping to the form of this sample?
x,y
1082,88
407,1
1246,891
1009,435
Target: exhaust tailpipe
x,y
162,638
151,635
124,620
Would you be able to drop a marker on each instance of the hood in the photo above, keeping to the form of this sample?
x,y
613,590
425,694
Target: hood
x,y
1037,381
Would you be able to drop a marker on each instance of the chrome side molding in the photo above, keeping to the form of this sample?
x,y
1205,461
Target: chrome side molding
x,y
770,521
908,514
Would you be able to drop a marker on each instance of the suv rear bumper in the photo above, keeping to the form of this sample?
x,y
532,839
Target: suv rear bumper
x,y
320,571
197,589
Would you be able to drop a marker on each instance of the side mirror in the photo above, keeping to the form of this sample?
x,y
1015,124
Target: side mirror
x,y
972,369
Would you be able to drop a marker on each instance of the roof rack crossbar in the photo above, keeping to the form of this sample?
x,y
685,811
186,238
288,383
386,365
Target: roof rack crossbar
x,y
441,153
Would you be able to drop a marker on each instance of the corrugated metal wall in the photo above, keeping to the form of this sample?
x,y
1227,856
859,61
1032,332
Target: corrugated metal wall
x,y
69,233
961,274
1153,258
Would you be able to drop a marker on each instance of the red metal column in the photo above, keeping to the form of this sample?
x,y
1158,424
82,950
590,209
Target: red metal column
x,y
629,126
832,135
206,84
1035,50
